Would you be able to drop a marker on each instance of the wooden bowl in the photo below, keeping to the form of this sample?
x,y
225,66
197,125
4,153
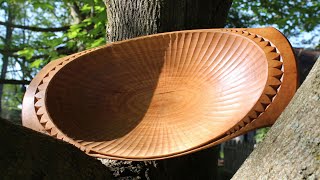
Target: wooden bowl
x,y
164,95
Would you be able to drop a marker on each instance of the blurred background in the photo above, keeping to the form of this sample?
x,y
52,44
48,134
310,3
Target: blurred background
x,y
35,32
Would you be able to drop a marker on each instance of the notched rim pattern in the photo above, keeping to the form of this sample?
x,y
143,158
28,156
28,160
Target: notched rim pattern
x,y
274,81
273,84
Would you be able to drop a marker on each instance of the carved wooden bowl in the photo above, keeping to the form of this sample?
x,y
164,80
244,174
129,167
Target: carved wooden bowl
x,y
164,95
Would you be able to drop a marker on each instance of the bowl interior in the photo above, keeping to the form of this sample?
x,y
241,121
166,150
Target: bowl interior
x,y
158,95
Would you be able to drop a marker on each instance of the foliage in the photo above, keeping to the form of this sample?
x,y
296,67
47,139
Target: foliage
x,y
291,17
12,99
91,31
261,133
29,49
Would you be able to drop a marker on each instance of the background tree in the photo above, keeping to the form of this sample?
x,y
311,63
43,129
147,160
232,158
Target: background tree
x,y
293,18
29,41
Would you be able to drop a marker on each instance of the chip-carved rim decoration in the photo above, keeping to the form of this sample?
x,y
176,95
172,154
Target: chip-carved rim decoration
x,y
274,81
39,101
275,73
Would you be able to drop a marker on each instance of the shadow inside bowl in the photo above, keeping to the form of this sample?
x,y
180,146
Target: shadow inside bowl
x,y
158,95
103,95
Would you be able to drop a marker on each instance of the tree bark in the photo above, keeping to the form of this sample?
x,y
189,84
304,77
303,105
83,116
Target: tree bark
x,y
27,154
291,149
132,18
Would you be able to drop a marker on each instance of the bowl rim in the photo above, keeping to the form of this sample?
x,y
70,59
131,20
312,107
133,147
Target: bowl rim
x,y
278,48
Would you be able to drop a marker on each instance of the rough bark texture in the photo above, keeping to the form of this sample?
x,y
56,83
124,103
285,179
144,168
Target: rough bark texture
x,y
291,149
133,18
26,154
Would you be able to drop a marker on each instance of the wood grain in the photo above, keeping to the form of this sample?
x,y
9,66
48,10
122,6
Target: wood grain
x,y
163,95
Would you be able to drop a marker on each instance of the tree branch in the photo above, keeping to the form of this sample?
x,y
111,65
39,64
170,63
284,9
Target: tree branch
x,y
33,28
14,50
42,56
14,81
10,51
76,12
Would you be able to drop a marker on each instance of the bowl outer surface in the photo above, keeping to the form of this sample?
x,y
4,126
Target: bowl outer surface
x,y
190,101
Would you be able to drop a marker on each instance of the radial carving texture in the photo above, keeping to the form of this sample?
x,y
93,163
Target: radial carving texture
x,y
155,96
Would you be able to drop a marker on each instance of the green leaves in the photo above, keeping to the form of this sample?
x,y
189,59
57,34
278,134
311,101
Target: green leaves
x,y
73,34
26,52
291,17
90,32
86,8
36,63
261,133
42,5
98,42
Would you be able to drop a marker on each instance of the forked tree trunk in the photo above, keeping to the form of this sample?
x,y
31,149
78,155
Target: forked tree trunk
x,y
132,18
291,149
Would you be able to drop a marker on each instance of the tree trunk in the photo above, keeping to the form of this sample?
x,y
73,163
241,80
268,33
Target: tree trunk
x,y
291,149
26,154
132,18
